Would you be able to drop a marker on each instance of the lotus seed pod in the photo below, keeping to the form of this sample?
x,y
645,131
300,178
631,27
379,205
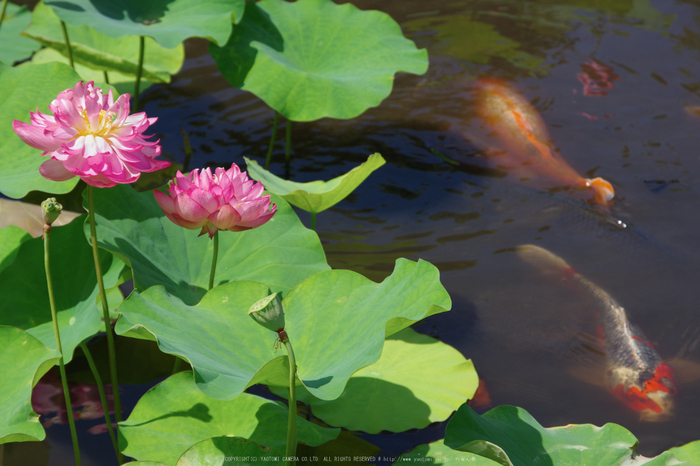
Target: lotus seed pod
x,y
268,312
52,210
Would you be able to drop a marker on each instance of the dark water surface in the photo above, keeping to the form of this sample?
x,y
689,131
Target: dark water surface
x,y
526,333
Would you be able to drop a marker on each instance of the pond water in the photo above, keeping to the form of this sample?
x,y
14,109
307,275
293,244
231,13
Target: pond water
x,y
613,81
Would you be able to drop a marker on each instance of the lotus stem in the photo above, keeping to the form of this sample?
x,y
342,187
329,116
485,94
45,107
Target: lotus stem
x,y
213,261
176,366
287,147
103,400
2,17
272,141
68,48
292,422
139,72
106,76
313,221
61,366
105,307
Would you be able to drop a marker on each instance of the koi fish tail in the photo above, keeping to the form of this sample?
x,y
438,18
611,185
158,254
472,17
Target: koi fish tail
x,y
543,260
604,192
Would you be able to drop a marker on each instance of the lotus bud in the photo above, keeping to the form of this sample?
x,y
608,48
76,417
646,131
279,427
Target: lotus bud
x,y
268,312
52,210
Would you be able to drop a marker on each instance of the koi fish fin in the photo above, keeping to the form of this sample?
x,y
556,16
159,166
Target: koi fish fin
x,y
684,371
542,259
604,192
481,398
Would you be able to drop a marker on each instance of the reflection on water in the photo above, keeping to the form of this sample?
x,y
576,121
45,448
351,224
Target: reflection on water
x,y
612,81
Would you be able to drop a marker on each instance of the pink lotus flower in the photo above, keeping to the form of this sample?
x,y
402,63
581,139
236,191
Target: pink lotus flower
x,y
93,137
226,200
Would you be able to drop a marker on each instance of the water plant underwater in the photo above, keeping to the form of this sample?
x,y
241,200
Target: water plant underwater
x,y
191,296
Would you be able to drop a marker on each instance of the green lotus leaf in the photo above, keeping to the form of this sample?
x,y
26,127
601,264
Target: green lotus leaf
x,y
25,300
218,451
280,253
439,453
24,89
174,415
315,196
11,238
311,59
169,22
98,52
123,84
418,377
14,47
336,320
510,436
23,361
689,452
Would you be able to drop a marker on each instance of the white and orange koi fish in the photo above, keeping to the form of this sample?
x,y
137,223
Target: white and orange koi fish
x,y
517,131
635,372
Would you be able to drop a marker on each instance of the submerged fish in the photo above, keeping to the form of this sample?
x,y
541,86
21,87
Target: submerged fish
x,y
517,130
635,372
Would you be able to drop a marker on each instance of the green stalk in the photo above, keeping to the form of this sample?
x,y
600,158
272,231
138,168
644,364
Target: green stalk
x,y
105,307
313,221
176,366
213,261
292,422
68,48
287,147
2,17
106,76
139,72
103,400
62,368
272,141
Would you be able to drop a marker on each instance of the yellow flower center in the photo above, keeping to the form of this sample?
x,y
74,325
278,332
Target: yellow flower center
x,y
104,125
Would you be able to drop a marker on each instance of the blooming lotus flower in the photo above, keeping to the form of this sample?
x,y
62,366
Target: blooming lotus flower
x,y
226,200
92,136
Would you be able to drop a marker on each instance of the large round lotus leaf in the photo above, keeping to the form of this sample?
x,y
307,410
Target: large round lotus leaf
x,y
174,415
311,59
510,436
22,90
23,287
220,451
280,253
417,381
23,361
336,321
689,452
315,196
11,237
169,22
123,84
99,52
438,453
14,47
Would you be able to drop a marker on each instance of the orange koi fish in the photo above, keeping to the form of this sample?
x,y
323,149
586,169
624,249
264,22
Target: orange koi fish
x,y
521,135
635,372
